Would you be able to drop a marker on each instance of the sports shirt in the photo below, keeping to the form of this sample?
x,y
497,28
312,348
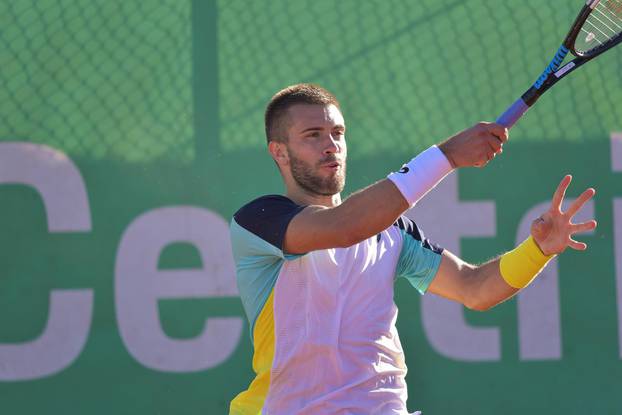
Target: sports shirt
x,y
323,323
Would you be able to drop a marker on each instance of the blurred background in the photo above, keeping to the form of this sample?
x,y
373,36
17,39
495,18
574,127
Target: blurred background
x,y
131,131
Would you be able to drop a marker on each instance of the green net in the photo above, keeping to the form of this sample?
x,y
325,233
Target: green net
x,y
114,78
99,79
408,73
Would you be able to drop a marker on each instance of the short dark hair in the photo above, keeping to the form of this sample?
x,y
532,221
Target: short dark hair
x,y
276,111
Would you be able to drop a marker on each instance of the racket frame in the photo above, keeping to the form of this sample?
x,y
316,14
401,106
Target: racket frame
x,y
554,71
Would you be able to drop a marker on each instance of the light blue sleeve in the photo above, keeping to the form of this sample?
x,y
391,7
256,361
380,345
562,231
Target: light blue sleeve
x,y
418,261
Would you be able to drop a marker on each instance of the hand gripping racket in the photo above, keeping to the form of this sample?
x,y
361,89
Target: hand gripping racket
x,y
597,28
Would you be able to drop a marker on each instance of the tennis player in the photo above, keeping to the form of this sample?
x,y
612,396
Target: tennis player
x,y
316,274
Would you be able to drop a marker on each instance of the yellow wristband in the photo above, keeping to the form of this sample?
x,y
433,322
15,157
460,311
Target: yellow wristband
x,y
522,264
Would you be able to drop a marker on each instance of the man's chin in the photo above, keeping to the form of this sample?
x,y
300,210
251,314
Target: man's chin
x,y
333,190
329,190
322,186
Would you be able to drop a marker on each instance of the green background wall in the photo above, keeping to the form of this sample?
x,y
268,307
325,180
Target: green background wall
x,y
158,106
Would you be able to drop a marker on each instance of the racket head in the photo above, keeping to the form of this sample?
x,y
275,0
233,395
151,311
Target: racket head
x,y
597,28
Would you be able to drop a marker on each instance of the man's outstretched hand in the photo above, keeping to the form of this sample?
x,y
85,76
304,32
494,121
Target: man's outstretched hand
x,y
475,146
553,231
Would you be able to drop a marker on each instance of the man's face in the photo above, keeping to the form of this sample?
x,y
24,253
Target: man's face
x,y
316,147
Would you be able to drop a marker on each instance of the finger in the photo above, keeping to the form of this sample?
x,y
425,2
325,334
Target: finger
x,y
481,164
583,227
494,143
579,246
578,204
499,131
558,197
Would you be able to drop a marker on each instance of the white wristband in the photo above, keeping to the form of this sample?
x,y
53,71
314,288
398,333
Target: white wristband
x,y
421,174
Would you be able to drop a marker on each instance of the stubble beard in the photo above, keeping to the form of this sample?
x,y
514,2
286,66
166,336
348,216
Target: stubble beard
x,y
303,175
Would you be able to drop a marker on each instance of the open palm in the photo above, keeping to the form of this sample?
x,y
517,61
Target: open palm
x,y
553,231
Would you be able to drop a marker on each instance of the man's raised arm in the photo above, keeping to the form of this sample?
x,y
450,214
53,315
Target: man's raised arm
x,y
373,209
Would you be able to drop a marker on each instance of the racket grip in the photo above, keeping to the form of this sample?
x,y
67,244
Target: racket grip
x,y
513,113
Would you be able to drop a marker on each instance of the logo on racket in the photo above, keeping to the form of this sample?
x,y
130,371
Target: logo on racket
x,y
557,60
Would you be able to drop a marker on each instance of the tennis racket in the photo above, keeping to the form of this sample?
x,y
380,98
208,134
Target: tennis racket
x,y
597,28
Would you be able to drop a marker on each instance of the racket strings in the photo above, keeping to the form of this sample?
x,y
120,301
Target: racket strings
x,y
615,7
602,25
609,15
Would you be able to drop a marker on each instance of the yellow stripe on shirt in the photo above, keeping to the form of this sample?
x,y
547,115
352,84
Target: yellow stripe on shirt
x,y
251,400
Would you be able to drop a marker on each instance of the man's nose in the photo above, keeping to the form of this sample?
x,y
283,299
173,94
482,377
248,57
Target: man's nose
x,y
332,145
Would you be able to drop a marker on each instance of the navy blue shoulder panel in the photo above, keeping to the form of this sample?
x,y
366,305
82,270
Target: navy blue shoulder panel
x,y
415,232
268,217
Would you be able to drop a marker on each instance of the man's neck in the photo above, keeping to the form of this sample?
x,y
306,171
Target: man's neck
x,y
305,198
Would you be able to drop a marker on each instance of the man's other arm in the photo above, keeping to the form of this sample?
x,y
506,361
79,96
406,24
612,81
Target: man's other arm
x,y
484,286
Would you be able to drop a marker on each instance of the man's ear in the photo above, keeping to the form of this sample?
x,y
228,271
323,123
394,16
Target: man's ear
x,y
278,151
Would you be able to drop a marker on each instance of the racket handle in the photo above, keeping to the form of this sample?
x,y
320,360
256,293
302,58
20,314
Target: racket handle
x,y
513,113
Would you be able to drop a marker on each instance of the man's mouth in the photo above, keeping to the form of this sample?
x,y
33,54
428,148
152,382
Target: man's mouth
x,y
332,165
